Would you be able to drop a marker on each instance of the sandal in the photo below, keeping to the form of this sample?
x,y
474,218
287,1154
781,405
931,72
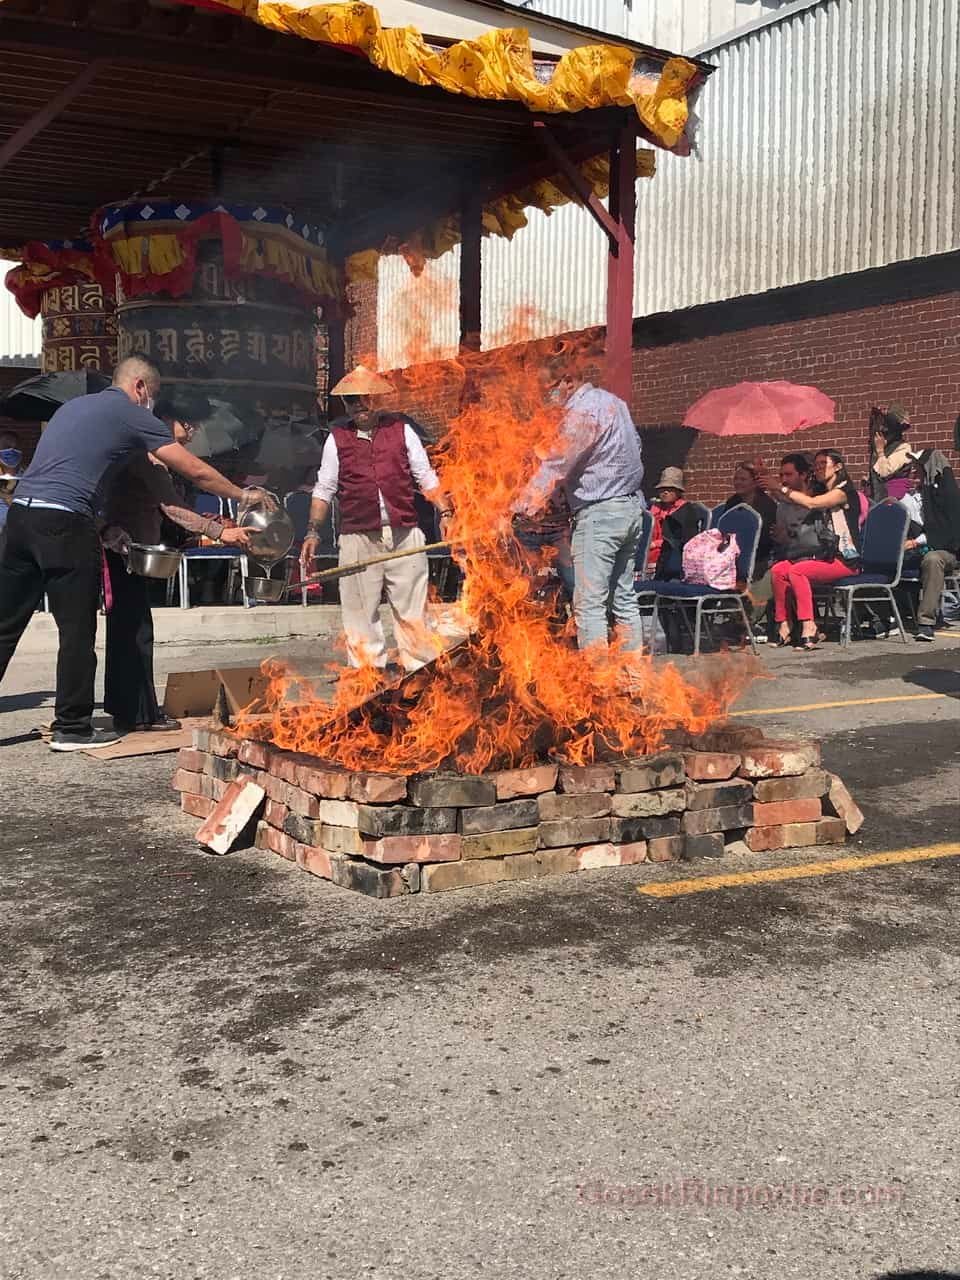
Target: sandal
x,y
807,643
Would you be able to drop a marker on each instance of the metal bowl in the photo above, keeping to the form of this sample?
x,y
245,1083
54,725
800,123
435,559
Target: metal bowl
x,y
270,590
153,561
271,532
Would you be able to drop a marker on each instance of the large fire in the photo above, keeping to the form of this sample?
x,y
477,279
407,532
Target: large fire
x,y
515,691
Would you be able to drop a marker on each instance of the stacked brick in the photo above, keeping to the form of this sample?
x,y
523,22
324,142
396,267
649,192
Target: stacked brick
x,y
387,835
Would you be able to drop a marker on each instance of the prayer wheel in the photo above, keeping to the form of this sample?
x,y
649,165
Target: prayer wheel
x,y
79,328
249,341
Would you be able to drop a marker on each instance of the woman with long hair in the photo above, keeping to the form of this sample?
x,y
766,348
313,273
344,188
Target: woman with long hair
x,y
839,557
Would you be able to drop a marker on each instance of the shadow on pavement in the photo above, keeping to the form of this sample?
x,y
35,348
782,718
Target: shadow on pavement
x,y
24,701
919,1275
946,682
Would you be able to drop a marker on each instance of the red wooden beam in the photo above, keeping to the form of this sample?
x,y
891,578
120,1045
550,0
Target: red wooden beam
x,y
620,260
46,115
471,236
585,193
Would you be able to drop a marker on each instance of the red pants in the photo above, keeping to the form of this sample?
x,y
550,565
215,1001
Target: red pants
x,y
798,578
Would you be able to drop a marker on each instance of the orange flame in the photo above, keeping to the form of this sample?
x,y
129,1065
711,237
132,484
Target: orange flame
x,y
515,692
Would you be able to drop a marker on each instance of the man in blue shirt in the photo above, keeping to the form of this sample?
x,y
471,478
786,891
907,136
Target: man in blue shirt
x,y
52,545
598,462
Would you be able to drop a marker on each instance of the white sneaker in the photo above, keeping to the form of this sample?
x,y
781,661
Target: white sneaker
x,y
61,741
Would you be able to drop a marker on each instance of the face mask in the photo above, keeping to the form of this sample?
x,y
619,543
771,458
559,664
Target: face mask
x,y
10,458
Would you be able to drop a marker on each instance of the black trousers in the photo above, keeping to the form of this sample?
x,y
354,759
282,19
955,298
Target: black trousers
x,y
129,692
57,554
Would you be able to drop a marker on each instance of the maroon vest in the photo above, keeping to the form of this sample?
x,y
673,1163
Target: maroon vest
x,y
368,465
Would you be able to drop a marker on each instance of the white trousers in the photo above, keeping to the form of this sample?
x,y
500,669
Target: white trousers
x,y
405,582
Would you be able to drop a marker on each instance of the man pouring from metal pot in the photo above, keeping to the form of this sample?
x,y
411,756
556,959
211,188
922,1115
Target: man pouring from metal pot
x,y
52,543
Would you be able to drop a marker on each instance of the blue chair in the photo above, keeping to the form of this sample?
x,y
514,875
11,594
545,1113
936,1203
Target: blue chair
x,y
297,507
744,523
646,587
205,504
881,557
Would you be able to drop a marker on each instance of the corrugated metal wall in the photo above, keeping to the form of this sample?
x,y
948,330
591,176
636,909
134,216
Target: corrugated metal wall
x,y
18,335
830,143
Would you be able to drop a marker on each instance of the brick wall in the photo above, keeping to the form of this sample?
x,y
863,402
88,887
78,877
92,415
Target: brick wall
x,y
881,336
877,337
360,337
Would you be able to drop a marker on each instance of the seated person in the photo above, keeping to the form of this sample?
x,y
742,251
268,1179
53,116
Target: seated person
x,y
934,532
674,523
748,490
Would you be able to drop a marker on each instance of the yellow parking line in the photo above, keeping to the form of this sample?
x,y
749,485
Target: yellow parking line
x,y
850,702
799,871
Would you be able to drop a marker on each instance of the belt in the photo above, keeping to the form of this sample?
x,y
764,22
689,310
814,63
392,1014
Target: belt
x,y
44,506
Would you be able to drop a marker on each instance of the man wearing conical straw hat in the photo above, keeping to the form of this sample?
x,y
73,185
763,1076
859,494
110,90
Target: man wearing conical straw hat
x,y
371,461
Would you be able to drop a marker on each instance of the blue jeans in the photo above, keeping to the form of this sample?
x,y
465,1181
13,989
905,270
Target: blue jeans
x,y
605,539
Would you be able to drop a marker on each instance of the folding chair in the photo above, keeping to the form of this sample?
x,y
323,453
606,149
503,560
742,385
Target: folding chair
x,y
709,602
881,557
206,505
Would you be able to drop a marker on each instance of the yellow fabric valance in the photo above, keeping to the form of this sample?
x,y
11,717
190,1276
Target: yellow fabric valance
x,y
501,217
498,65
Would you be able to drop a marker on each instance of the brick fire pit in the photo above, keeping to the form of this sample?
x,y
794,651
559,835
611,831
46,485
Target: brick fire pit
x,y
387,835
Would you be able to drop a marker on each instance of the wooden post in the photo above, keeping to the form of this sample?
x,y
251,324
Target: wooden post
x,y
471,212
620,260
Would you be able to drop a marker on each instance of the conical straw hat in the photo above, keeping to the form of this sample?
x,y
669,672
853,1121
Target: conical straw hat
x,y
362,381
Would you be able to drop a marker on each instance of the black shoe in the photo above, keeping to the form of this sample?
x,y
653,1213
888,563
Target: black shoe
x,y
61,741
924,633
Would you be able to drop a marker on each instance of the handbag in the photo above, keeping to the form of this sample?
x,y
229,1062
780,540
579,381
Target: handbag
x,y
710,559
814,540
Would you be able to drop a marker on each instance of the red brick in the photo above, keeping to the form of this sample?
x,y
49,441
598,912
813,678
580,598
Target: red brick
x,y
275,813
256,753
591,857
831,831
223,744
781,812
511,783
584,779
302,802
331,783
665,849
193,761
284,765
764,839
631,854
317,861
276,841
184,781
800,787
594,804
711,766
779,759
240,802
196,806
393,849
375,788
843,804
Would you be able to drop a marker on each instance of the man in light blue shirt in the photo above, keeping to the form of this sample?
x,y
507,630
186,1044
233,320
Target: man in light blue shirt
x,y
598,462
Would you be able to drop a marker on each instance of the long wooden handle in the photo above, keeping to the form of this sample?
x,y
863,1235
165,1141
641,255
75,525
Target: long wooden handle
x,y
364,564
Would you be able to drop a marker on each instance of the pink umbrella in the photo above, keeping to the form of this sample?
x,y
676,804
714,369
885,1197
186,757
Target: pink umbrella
x,y
760,409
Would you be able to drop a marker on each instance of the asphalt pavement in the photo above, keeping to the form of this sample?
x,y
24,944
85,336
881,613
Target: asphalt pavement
x,y
223,1068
